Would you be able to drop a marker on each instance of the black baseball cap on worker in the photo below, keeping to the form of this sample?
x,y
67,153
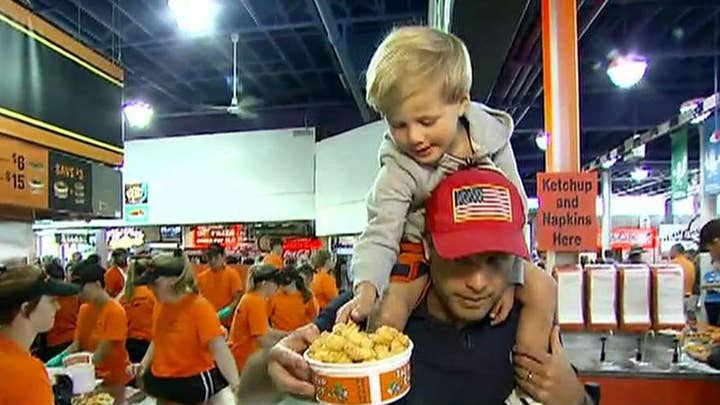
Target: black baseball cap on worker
x,y
475,211
708,234
44,285
153,272
86,273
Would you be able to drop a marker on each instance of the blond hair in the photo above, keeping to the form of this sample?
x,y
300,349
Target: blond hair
x,y
258,271
177,260
411,58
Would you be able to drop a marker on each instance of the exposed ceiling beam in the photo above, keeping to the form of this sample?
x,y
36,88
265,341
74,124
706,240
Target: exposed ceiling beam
x,y
337,43
257,75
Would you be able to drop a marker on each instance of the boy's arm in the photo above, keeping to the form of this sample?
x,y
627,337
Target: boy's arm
x,y
539,298
377,248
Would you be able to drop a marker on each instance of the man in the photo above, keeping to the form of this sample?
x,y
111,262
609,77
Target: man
x,y
275,257
220,285
710,242
459,358
635,255
116,275
678,256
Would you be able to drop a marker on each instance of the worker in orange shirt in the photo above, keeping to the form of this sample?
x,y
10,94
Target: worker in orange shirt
x,y
116,274
324,285
188,361
250,328
27,307
220,285
63,331
293,305
275,256
102,330
678,256
139,304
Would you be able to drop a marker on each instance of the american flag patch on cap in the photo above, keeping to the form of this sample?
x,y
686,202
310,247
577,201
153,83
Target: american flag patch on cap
x,y
482,202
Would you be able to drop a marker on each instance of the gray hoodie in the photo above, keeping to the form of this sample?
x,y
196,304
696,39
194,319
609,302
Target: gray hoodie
x,y
396,204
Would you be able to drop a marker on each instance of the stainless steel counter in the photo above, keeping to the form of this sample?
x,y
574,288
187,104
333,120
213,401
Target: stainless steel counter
x,y
653,360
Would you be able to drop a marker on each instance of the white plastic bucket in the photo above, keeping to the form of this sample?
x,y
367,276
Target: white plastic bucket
x,y
80,368
372,383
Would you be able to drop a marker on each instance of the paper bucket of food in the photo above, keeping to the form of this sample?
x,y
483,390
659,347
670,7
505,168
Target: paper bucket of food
x,y
358,368
80,368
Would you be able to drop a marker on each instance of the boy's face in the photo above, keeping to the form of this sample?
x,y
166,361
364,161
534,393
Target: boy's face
x,y
425,126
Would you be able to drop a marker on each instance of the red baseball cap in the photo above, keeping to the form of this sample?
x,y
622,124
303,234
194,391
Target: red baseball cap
x,y
474,211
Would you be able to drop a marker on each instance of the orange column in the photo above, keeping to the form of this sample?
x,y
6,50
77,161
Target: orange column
x,y
560,81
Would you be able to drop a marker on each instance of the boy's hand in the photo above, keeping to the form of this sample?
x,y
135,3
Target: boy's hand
x,y
503,306
359,308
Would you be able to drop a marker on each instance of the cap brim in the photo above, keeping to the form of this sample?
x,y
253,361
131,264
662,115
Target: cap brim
x,y
454,245
59,289
147,278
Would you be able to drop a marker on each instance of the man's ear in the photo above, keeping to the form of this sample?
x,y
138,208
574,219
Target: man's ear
x,y
426,249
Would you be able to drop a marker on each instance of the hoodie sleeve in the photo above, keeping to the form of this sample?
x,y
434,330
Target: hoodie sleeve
x,y
388,204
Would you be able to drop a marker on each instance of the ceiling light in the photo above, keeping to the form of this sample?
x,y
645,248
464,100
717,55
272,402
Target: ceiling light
x,y
640,174
626,71
541,140
194,16
138,114
638,152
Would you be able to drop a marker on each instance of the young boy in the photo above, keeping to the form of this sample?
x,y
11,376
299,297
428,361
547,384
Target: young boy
x,y
419,80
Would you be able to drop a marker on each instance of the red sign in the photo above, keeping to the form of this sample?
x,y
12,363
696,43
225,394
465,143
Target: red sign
x,y
566,219
227,236
300,244
627,238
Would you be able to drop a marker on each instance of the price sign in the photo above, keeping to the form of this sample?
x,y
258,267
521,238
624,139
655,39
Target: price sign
x,y
23,174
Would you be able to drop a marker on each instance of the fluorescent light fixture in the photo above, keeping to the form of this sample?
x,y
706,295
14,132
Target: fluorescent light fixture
x,y
640,174
541,140
138,114
626,71
606,164
194,16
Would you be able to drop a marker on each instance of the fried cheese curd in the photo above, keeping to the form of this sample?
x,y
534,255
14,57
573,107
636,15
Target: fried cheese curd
x,y
348,344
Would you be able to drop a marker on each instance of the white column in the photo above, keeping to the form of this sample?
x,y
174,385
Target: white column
x,y
606,185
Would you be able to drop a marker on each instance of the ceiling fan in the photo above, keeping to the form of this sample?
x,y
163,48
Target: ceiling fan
x,y
239,106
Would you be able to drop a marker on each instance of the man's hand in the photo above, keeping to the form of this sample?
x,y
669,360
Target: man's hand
x,y
286,366
503,306
549,378
360,306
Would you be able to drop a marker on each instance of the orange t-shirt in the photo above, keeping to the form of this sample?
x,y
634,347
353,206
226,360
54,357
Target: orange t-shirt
x,y
220,286
324,288
288,311
182,332
114,281
198,268
688,272
250,322
139,312
108,323
63,330
24,378
274,260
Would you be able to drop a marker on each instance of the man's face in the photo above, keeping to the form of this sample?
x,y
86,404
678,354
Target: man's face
x,y
469,287
674,252
714,249
215,261
425,125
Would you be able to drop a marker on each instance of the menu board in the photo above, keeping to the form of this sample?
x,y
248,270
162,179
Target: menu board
x,y
70,183
23,174
224,235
